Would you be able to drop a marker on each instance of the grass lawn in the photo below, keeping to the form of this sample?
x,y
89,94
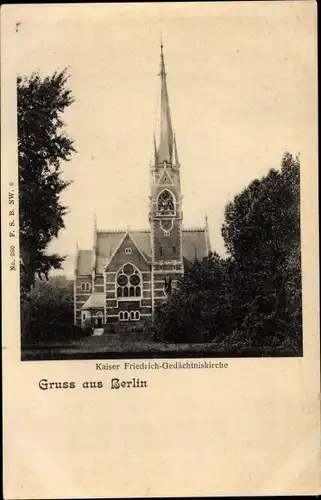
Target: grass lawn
x,y
125,346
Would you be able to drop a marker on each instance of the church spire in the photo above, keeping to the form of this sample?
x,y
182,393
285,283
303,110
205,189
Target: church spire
x,y
165,147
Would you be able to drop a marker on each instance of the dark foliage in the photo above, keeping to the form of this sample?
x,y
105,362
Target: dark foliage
x,y
253,297
54,332
194,312
42,147
47,311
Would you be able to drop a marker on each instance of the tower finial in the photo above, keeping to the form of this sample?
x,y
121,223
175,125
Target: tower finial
x,y
162,62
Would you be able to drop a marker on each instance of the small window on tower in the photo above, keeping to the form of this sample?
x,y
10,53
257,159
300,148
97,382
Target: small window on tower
x,y
128,250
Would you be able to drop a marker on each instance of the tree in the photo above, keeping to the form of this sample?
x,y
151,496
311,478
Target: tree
x,y
196,310
42,146
252,298
262,234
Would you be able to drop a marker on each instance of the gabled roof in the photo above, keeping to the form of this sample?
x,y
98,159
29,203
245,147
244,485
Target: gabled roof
x,y
96,300
143,241
194,247
107,243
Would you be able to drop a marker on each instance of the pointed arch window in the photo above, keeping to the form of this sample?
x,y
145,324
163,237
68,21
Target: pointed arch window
x,y
168,285
99,318
165,203
129,282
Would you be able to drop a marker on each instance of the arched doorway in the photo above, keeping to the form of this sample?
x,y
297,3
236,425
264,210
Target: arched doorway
x,y
99,318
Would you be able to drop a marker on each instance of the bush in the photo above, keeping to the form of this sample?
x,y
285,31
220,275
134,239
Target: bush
x,y
53,332
87,331
48,302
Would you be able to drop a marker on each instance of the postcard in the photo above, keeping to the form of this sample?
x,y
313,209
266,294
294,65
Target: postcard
x,y
160,249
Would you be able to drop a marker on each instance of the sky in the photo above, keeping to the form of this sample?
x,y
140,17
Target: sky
x,y
239,82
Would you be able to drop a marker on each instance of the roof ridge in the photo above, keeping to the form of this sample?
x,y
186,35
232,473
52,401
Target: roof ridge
x,y
113,231
196,228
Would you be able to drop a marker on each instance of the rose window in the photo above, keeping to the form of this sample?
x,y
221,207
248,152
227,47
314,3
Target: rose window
x,y
128,282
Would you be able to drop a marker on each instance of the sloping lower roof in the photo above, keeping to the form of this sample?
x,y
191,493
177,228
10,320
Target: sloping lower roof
x,y
194,247
194,244
108,241
95,300
84,261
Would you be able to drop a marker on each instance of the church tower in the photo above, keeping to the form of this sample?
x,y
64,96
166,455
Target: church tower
x,y
127,273
165,215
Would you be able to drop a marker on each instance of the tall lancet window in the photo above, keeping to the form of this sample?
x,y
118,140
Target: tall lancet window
x,y
166,203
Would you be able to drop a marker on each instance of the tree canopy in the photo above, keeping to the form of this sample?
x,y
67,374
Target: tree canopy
x,y
42,147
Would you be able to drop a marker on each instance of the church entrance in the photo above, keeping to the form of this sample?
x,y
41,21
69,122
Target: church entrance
x,y
99,319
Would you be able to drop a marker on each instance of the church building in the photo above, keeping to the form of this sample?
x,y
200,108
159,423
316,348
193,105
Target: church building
x,y
126,274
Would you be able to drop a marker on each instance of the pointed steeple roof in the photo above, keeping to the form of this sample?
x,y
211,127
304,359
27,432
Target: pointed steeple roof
x,y
165,145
